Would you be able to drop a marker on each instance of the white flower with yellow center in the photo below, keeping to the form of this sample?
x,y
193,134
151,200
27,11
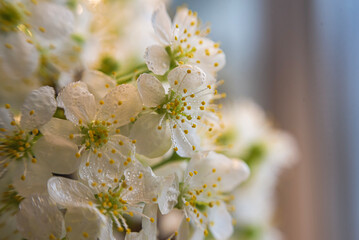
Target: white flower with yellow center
x,y
204,190
176,115
91,132
182,42
21,144
15,194
92,213
23,26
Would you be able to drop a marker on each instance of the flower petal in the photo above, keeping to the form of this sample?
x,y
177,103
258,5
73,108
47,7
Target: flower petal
x,y
6,118
149,227
96,171
58,153
222,227
150,141
98,83
228,173
144,183
161,23
184,230
168,196
68,193
87,223
211,59
78,102
186,77
151,90
185,19
157,59
187,144
18,58
123,102
60,128
39,218
39,107
51,22
35,181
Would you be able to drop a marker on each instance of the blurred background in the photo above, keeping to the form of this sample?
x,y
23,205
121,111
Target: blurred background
x,y
299,60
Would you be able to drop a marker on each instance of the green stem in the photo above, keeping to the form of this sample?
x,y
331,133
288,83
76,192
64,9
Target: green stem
x,y
128,77
174,158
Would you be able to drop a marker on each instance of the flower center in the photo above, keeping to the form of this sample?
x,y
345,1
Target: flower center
x,y
95,134
17,145
110,202
10,16
10,200
180,55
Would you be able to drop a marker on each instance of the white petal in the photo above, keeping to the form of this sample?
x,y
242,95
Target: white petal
x,y
185,142
197,234
178,168
18,58
145,188
36,179
39,107
8,229
150,228
168,196
150,141
60,128
161,23
67,192
98,83
123,102
58,153
151,90
222,227
87,223
78,102
52,23
108,172
38,218
186,77
211,63
231,171
6,118
184,230
157,59
184,20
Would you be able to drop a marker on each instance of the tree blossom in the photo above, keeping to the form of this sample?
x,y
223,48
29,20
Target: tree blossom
x,y
91,132
14,193
91,212
21,145
176,115
203,192
247,133
182,42
23,25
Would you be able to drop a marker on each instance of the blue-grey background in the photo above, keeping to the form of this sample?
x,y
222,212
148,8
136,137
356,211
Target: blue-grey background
x,y
299,59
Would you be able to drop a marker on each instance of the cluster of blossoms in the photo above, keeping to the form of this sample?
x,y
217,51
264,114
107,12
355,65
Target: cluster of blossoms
x,y
96,151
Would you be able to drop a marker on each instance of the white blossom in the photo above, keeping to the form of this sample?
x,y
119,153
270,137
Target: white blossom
x,y
20,141
204,190
248,134
91,132
176,115
182,42
92,212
